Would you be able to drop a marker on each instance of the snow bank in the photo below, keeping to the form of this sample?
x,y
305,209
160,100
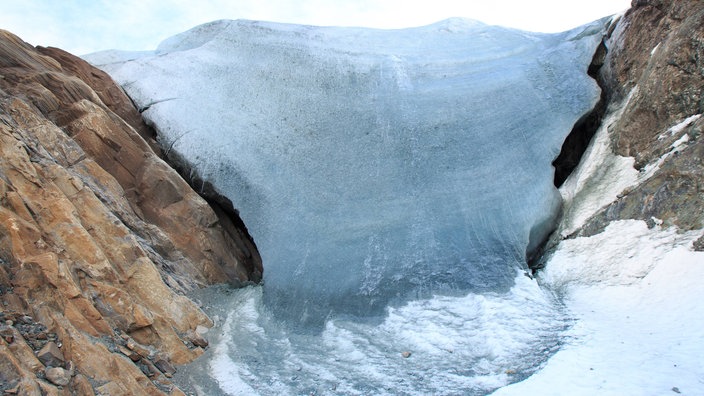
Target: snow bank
x,y
636,295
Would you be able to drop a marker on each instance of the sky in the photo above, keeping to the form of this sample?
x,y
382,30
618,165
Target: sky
x,y
85,26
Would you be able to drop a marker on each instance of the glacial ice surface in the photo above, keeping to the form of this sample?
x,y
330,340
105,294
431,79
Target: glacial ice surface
x,y
372,166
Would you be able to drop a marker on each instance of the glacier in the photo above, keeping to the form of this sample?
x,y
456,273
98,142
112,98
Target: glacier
x,y
394,182
371,167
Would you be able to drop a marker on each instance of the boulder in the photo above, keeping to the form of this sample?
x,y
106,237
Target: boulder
x,y
165,366
51,356
58,376
197,339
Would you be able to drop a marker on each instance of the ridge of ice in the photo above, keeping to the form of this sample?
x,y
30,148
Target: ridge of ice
x,y
194,38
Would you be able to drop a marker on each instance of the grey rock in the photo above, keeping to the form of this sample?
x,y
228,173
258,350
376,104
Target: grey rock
x,y
165,366
197,339
699,244
51,355
7,333
58,376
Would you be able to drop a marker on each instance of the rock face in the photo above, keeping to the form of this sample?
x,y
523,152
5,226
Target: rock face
x,y
99,237
658,51
650,141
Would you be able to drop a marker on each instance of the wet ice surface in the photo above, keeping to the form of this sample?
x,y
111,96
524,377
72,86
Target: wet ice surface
x,y
466,345
372,166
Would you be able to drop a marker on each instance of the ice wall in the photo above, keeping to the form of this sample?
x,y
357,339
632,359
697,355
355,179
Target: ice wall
x,y
371,165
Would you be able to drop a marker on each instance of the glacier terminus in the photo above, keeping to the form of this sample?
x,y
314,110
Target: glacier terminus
x,y
373,164
385,175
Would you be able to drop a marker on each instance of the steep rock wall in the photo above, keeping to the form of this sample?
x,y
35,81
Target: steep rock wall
x,y
99,237
658,53
646,160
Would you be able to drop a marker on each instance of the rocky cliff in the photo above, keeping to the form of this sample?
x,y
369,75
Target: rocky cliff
x,y
646,158
99,237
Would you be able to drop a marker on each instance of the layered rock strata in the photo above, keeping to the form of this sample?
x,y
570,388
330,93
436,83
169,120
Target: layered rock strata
x,y
99,237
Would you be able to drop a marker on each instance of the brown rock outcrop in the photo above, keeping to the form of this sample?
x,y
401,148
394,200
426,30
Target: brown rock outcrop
x,y
658,47
656,55
98,236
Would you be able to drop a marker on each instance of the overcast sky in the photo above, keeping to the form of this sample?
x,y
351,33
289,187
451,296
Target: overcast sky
x,y
83,26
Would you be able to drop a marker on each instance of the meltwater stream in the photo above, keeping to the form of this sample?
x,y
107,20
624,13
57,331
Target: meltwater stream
x,y
393,180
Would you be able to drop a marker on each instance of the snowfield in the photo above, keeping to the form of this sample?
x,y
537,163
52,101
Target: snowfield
x,y
636,295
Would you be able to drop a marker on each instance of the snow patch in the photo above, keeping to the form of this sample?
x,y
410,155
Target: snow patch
x,y
636,295
676,129
652,52
684,139
625,252
684,124
600,177
650,169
